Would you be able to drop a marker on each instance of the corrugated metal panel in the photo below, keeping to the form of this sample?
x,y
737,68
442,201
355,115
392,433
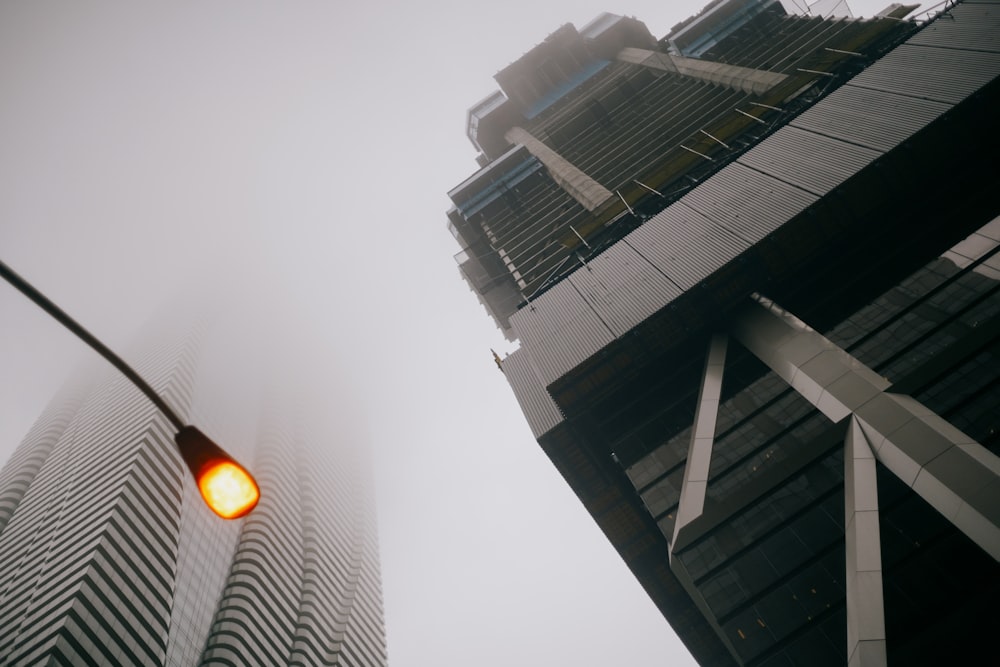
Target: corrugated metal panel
x,y
873,118
560,330
945,75
623,288
808,160
748,202
970,26
685,245
539,409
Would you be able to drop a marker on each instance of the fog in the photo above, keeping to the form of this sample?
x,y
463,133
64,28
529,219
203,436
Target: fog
x,y
300,153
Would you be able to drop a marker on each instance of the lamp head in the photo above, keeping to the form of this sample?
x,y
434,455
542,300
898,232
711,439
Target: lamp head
x,y
226,486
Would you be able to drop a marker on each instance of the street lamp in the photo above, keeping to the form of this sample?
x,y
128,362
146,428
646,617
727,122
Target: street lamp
x,y
228,488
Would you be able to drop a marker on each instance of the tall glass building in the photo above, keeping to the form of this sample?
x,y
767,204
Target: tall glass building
x,y
108,555
753,268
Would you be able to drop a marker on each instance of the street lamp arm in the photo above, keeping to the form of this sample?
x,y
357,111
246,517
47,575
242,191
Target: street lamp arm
x,y
227,487
55,311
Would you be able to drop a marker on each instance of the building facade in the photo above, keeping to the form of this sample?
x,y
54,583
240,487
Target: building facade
x,y
108,555
753,271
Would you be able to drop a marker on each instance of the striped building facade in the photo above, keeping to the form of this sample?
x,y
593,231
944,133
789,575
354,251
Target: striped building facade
x,y
108,555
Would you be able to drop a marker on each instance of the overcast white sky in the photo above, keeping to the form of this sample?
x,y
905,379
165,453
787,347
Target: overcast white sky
x,y
145,144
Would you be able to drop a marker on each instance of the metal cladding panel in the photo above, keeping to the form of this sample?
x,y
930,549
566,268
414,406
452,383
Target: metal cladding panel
x,y
810,161
945,75
623,287
685,245
971,26
561,330
873,118
748,202
539,409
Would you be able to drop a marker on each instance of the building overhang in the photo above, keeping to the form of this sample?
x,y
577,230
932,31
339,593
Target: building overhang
x,y
884,159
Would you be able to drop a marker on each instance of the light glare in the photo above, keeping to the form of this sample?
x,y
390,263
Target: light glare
x,y
228,490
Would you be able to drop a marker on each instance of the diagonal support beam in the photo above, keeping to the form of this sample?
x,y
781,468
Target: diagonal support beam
x,y
955,474
699,458
825,375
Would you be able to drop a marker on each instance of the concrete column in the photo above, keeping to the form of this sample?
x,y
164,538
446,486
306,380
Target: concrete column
x,y
699,458
958,477
865,606
746,79
579,185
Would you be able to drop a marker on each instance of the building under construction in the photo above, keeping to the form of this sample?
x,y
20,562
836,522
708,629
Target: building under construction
x,y
753,273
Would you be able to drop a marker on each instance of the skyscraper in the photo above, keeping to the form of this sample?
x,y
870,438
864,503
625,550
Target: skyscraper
x,y
753,271
108,556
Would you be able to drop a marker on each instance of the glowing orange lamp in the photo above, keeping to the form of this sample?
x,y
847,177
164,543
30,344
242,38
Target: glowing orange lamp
x,y
226,486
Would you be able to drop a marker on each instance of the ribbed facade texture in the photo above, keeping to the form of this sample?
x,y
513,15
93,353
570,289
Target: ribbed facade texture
x,y
754,271
108,555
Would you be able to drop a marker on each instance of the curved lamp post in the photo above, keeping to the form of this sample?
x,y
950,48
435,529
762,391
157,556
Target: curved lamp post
x,y
228,488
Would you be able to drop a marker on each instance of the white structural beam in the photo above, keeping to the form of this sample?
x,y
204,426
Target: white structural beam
x,y
570,178
958,477
734,77
865,606
699,458
825,375
955,474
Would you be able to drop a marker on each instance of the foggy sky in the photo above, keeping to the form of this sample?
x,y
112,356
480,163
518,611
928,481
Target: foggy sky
x,y
149,149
